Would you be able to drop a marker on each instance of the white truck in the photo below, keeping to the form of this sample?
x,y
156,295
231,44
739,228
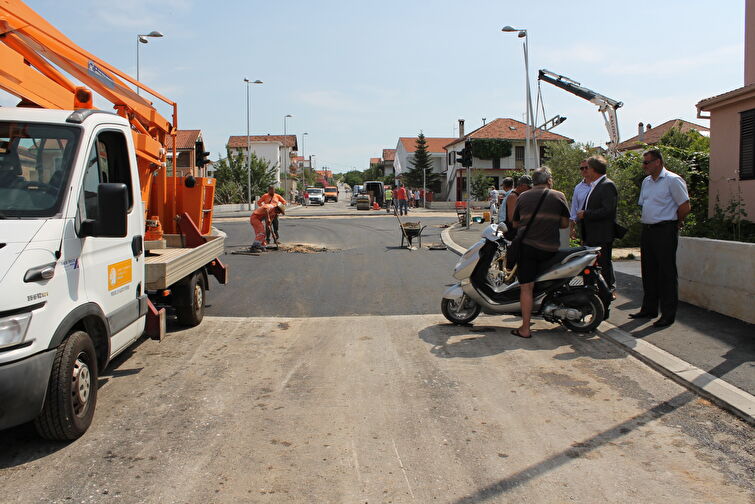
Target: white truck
x,y
78,281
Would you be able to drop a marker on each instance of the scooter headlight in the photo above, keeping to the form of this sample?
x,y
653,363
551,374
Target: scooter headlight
x,y
13,329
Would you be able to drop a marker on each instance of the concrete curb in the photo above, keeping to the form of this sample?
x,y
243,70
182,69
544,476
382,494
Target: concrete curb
x,y
715,389
723,394
445,237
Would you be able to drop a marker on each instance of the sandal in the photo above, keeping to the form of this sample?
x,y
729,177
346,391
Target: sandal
x,y
516,332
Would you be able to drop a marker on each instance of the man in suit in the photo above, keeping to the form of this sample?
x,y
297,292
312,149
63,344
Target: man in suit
x,y
598,215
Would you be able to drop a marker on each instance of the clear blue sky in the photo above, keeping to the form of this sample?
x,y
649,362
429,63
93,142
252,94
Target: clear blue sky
x,y
357,75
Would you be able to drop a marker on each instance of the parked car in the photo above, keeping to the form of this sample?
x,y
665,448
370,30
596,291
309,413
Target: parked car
x,y
331,193
316,195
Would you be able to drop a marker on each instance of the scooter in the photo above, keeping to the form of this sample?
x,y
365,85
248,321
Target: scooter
x,y
569,290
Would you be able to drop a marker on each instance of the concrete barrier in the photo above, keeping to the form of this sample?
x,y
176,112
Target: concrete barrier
x,y
718,275
451,205
236,207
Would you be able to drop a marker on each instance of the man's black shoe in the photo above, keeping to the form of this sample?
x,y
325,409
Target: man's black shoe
x,y
642,314
663,322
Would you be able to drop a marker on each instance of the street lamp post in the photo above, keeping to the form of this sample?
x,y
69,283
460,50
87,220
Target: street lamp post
x,y
249,147
142,39
530,146
286,159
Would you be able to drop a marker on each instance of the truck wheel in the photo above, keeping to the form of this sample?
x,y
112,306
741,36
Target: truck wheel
x,y
192,311
72,392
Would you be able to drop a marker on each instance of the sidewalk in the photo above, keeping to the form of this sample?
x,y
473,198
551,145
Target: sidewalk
x,y
701,346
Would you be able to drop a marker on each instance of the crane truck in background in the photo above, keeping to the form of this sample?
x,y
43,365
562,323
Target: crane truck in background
x,y
96,239
606,106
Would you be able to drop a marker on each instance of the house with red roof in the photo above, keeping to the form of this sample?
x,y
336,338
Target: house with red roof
x,y
648,135
497,169
189,146
406,148
276,149
389,155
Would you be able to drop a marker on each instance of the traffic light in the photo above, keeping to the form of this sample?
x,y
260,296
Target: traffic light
x,y
201,155
465,155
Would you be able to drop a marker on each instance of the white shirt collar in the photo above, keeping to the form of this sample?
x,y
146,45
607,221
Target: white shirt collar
x,y
595,182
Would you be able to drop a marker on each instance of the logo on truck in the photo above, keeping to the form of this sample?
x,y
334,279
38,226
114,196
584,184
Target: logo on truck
x,y
118,274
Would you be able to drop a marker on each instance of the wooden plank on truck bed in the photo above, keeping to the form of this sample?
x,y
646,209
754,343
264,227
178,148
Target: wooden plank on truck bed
x,y
164,267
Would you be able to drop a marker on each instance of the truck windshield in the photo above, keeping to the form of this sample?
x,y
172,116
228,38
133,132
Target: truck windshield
x,y
35,163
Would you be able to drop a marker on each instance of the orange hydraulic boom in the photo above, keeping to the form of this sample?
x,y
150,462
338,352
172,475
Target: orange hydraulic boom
x,y
29,49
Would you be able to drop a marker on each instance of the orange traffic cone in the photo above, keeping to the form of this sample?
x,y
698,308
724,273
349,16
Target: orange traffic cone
x,y
375,206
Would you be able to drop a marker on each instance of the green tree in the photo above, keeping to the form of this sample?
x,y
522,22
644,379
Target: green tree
x,y
422,163
231,177
480,185
353,177
374,172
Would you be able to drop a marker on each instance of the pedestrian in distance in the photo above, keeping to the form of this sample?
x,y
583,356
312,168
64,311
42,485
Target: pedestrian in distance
x,y
402,201
597,216
262,217
578,199
306,197
665,204
416,198
388,199
543,237
271,198
493,193
523,184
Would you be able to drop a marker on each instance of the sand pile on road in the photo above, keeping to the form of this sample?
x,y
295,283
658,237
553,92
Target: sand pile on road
x,y
302,248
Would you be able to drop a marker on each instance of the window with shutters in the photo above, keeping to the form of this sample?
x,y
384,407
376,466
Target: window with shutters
x,y
747,145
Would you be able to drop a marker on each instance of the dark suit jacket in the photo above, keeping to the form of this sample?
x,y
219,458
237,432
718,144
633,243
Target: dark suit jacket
x,y
600,214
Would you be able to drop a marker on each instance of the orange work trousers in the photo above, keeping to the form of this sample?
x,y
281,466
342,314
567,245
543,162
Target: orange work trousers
x,y
259,229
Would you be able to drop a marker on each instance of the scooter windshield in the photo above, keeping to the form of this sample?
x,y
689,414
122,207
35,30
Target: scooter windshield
x,y
35,164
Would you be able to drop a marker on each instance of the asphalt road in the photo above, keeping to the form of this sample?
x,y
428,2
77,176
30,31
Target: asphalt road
x,y
364,271
392,405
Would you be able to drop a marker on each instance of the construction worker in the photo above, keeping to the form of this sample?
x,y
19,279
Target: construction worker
x,y
271,198
388,199
261,216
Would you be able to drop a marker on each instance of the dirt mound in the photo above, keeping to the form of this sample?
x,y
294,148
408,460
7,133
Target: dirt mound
x,y
302,248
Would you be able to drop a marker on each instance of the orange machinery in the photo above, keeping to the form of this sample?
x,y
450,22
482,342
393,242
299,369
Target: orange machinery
x,y
30,51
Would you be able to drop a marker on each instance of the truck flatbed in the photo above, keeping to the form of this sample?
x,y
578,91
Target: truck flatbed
x,y
166,266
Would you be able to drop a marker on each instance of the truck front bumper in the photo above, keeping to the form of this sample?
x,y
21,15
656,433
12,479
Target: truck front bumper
x,y
23,385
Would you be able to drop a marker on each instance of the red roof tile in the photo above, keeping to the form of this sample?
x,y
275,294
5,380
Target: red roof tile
x,y
433,144
185,139
239,142
509,129
375,160
713,101
389,154
653,135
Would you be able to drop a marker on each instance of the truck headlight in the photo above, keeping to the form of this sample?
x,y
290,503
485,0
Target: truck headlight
x,y
13,329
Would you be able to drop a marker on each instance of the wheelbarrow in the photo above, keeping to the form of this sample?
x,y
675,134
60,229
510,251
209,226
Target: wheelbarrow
x,y
410,231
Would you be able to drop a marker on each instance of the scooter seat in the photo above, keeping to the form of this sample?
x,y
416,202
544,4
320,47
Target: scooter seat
x,y
560,256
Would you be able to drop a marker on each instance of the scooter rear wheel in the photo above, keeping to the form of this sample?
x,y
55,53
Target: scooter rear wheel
x,y
460,312
592,315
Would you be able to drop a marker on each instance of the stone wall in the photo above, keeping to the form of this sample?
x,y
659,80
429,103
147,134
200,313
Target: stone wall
x,y
718,275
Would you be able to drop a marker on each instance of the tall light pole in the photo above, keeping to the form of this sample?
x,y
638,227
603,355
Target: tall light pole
x,y
142,39
249,147
530,146
285,157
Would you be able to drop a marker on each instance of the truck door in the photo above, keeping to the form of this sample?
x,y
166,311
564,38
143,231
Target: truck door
x,y
113,267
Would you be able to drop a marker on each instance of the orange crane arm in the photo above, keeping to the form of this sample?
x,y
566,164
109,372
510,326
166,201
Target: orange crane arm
x,y
31,46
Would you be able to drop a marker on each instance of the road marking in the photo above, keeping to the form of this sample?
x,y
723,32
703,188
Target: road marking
x,y
401,465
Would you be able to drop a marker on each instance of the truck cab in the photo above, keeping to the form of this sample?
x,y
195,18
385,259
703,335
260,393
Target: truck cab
x,y
72,223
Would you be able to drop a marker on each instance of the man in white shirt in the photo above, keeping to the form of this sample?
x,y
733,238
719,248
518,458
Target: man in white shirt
x,y
493,202
665,204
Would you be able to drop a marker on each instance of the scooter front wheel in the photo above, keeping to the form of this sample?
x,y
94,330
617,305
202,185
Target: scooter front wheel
x,y
460,312
592,315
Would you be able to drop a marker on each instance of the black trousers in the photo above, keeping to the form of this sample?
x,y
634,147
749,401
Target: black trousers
x,y
660,283
275,228
606,265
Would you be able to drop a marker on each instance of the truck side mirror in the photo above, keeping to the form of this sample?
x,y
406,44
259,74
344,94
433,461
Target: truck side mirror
x,y
112,219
